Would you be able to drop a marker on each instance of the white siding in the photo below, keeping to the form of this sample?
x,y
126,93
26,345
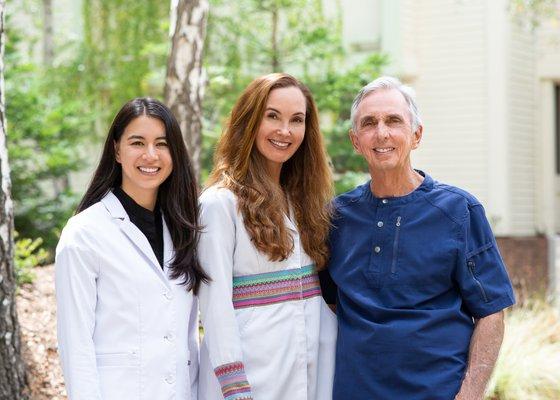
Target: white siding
x,y
451,86
521,126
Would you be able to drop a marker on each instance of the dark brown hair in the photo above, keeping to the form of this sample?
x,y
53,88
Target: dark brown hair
x,y
177,195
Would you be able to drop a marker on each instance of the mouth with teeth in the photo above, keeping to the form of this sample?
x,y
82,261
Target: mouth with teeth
x,y
383,150
279,145
149,170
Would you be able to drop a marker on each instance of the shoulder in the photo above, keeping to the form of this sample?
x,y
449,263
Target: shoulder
x,y
84,229
350,197
217,201
217,195
454,202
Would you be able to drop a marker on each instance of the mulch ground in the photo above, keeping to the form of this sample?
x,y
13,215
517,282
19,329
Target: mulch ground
x,y
36,307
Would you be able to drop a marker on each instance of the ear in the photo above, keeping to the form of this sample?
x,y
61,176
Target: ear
x,y
354,140
417,137
117,152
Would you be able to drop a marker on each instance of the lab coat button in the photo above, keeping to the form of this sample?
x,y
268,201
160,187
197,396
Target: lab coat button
x,y
168,295
170,379
169,337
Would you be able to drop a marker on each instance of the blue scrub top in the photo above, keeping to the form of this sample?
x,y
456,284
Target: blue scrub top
x,y
411,274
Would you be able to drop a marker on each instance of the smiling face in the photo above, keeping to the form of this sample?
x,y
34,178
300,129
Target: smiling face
x,y
282,127
384,133
144,156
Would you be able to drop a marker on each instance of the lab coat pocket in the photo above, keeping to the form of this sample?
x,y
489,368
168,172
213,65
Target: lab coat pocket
x,y
119,375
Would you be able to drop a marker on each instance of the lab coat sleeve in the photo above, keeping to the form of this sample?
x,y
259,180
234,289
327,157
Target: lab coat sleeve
x,y
221,332
76,273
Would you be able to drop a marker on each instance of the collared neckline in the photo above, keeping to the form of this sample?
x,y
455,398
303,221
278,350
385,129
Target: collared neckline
x,y
426,186
130,205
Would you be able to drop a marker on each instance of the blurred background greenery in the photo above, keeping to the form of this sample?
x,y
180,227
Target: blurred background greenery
x,y
59,106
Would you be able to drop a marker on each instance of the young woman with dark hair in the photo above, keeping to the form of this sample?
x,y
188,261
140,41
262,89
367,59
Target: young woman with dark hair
x,y
268,334
127,267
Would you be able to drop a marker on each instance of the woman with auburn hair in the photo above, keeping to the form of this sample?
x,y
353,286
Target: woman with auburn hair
x,y
268,334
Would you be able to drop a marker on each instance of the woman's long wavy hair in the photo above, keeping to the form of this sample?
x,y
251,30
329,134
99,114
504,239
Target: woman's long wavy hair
x,y
177,195
305,179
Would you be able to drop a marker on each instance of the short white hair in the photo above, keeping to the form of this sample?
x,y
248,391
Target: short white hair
x,y
386,83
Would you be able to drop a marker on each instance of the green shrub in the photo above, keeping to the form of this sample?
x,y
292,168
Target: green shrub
x,y
28,254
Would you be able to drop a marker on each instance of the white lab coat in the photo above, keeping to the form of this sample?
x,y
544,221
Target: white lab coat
x,y
126,331
286,344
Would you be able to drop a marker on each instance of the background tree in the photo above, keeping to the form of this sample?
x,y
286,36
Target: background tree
x,y
185,81
12,372
248,38
533,13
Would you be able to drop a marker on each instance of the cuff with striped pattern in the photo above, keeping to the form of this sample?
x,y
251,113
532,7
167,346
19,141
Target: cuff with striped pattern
x,y
233,381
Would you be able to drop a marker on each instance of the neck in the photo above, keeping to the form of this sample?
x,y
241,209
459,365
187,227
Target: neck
x,y
274,170
144,198
391,184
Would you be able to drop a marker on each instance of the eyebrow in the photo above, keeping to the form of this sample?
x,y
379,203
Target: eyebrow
x,y
275,110
142,137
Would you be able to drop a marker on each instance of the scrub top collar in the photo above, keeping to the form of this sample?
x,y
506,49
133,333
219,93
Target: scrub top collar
x,y
426,186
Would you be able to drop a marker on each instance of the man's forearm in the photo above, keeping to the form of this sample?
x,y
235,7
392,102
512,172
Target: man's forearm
x,y
484,348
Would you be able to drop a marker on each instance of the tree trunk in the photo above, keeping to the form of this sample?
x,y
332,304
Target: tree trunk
x,y
12,372
185,81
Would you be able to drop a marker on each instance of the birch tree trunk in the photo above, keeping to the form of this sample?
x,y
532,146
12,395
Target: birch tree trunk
x,y
12,371
185,80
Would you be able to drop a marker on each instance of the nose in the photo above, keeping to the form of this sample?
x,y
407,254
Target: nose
x,y
284,129
151,153
383,131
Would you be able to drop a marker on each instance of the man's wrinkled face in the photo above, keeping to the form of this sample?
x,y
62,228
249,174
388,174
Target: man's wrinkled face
x,y
384,133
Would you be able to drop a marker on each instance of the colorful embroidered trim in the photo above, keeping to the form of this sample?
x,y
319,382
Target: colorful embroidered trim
x,y
233,381
275,287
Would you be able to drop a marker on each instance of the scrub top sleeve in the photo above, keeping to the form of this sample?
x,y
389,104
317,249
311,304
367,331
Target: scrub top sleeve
x,y
221,333
76,272
481,274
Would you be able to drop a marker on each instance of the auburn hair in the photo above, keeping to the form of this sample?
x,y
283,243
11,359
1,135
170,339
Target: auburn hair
x,y
305,179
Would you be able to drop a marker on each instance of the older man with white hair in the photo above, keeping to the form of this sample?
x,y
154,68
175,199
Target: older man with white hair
x,y
417,278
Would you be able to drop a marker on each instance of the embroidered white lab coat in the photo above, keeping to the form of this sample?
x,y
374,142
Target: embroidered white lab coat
x,y
126,331
287,348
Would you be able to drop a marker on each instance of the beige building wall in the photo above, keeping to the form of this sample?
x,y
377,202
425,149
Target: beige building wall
x,y
473,70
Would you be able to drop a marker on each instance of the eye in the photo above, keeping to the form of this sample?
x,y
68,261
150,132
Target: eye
x,y
161,144
298,120
272,115
137,143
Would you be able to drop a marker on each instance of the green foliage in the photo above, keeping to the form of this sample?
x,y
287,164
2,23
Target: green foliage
x,y
48,128
242,44
28,254
532,13
124,52
57,114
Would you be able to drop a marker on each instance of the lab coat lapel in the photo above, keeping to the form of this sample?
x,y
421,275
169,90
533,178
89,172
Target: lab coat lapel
x,y
137,238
